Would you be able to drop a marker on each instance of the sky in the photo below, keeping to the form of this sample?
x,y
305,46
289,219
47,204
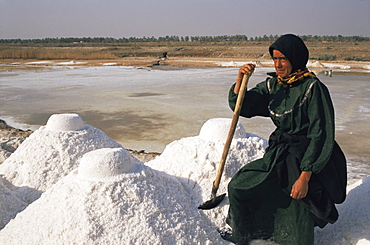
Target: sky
x,y
30,19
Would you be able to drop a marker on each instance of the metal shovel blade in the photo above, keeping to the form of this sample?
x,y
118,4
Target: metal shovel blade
x,y
212,203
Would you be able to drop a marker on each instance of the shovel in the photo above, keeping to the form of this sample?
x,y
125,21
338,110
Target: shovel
x,y
215,200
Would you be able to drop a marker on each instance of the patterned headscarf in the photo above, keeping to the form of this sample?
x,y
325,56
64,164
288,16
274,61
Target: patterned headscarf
x,y
294,78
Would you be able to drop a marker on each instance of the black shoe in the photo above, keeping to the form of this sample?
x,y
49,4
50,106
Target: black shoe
x,y
226,234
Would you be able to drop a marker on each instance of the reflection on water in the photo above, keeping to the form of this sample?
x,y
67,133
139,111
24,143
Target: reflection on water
x,y
148,109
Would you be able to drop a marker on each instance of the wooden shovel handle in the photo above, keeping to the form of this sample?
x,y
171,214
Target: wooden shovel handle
x,y
234,122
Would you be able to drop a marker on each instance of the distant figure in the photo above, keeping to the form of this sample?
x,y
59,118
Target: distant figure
x,y
328,73
164,56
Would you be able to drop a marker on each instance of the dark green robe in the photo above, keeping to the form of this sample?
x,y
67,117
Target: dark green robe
x,y
260,205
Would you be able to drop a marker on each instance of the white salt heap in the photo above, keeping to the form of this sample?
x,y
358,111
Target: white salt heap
x,y
217,130
50,153
196,159
127,203
353,225
10,202
65,122
110,197
107,163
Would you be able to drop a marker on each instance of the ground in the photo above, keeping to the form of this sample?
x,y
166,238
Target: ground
x,y
174,53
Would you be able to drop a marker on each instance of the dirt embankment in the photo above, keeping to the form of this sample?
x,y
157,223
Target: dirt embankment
x,y
172,53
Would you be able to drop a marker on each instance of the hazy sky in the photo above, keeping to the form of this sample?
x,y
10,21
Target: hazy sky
x,y
138,18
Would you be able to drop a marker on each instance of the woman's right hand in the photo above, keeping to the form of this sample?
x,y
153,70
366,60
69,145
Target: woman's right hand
x,y
245,69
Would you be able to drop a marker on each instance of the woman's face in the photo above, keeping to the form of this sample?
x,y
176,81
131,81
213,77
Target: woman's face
x,y
282,64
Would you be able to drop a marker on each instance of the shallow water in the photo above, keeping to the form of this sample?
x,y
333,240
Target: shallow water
x,y
145,108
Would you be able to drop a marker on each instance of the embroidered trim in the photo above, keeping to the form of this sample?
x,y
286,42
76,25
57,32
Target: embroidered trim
x,y
291,110
268,85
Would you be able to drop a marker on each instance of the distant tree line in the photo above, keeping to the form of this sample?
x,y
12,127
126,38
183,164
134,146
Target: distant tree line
x,y
224,38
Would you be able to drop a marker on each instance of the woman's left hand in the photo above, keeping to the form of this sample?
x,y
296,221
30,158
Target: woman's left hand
x,y
300,187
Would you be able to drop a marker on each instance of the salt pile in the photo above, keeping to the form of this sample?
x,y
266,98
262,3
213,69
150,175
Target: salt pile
x,y
125,202
10,202
50,153
195,160
353,225
95,192
65,122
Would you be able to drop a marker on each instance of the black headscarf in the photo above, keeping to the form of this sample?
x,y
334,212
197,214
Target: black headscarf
x,y
294,49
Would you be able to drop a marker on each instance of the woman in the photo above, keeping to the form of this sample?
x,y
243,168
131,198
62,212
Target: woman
x,y
303,172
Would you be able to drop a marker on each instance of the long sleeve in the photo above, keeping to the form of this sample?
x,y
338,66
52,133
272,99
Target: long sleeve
x,y
320,130
255,101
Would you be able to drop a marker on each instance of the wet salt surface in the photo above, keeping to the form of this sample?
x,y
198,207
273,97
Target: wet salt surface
x,y
147,109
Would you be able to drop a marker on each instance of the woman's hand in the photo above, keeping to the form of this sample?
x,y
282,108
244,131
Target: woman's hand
x,y
245,69
300,187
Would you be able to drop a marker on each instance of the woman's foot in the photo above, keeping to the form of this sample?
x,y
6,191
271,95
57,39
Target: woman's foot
x,y
226,234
